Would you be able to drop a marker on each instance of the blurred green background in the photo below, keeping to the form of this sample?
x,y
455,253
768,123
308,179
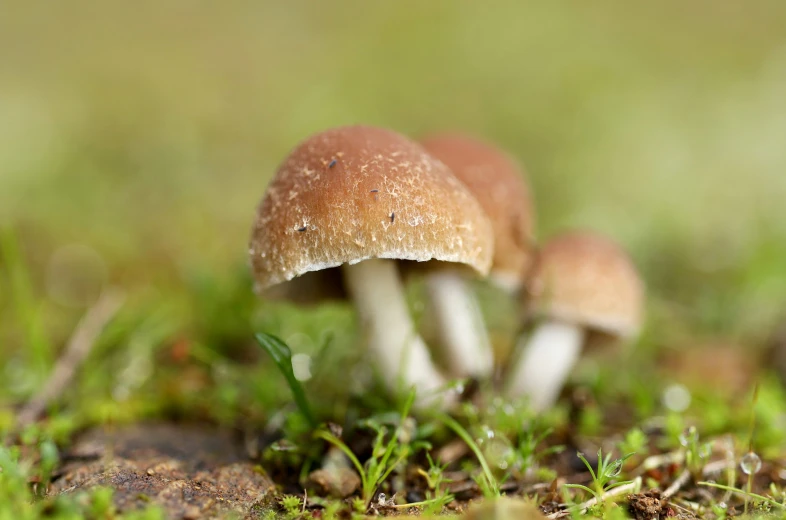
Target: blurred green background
x,y
137,138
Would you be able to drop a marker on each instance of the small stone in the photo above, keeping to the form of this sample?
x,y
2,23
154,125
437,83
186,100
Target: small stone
x,y
504,509
191,513
337,482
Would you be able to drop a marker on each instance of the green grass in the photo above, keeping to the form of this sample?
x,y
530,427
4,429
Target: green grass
x,y
604,477
486,480
389,451
282,356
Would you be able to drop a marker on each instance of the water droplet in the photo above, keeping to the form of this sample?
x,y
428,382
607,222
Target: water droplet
x,y
689,436
457,387
408,430
301,367
381,499
614,468
705,450
722,505
499,453
750,463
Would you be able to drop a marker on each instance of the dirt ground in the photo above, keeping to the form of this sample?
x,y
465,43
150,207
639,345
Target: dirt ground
x,y
189,471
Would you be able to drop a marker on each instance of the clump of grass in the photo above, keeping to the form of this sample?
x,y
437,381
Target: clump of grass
x,y
436,496
26,306
603,476
747,494
487,482
389,450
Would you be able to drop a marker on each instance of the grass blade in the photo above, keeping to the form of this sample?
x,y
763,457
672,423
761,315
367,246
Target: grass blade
x,y
465,436
27,308
742,492
282,356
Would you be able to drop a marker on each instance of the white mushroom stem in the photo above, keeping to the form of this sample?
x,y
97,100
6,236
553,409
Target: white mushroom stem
x,y
400,354
544,364
456,324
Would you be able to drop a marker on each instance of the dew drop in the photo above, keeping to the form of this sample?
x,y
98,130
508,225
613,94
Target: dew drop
x,y
408,430
750,463
615,468
496,448
705,450
689,436
301,366
457,387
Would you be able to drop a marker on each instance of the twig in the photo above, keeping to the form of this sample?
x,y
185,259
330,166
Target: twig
x,y
709,468
677,484
582,508
77,349
655,461
689,507
717,466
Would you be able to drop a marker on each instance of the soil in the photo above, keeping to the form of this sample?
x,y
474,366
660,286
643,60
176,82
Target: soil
x,y
189,471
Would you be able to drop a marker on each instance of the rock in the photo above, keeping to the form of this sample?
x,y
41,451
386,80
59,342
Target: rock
x,y
503,509
337,482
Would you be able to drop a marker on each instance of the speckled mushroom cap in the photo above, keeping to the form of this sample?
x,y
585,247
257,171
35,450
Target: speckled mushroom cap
x,y
353,193
585,278
500,186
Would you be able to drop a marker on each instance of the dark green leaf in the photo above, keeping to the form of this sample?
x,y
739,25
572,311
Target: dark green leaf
x,y
282,356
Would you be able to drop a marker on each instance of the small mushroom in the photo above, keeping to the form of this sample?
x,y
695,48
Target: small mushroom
x,y
347,211
581,283
499,185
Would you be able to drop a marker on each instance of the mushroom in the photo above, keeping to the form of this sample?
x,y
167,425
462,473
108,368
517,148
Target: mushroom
x,y
581,283
498,183
361,198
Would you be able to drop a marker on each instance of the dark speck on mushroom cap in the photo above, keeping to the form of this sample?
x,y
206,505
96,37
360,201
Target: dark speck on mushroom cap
x,y
353,193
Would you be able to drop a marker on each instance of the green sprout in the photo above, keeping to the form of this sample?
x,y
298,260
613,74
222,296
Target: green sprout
x,y
635,441
528,454
603,476
387,453
486,480
696,453
436,496
746,494
292,505
282,356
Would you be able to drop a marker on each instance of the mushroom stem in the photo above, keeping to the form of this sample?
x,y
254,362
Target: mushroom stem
x,y
546,359
456,324
401,355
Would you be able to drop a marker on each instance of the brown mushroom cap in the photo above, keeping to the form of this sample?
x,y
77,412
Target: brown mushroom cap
x,y
585,278
500,186
353,193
